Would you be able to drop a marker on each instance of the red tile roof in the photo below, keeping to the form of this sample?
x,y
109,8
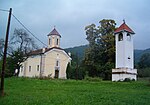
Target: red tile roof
x,y
54,32
124,27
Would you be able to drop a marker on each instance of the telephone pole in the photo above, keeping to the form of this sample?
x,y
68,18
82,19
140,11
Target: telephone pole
x,y
5,54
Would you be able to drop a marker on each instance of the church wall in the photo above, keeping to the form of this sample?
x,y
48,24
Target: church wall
x,y
50,63
31,67
53,41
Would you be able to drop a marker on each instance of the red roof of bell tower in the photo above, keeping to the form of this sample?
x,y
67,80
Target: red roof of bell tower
x,y
124,27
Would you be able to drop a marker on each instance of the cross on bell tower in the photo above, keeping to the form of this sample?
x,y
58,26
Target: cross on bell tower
x,y
124,54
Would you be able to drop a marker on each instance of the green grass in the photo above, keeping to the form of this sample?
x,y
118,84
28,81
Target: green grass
x,y
25,91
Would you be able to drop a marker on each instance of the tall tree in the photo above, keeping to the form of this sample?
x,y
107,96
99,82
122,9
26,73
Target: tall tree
x,y
23,41
20,45
100,56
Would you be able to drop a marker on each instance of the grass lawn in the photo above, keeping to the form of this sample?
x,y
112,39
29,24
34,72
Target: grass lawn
x,y
25,91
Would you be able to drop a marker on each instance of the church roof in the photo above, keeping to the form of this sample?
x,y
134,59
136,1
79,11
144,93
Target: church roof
x,y
54,32
124,27
40,51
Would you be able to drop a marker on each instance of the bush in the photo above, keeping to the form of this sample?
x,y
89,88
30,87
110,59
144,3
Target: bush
x,y
94,79
145,72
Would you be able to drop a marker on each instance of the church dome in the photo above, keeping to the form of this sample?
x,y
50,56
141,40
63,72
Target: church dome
x,y
54,32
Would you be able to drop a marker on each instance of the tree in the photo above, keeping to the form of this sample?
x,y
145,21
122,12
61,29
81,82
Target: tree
x,y
23,41
144,61
144,65
100,56
20,45
74,69
1,47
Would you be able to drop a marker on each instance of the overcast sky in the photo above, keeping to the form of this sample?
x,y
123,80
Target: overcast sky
x,y
71,16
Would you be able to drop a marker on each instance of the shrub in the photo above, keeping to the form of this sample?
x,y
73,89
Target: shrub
x,y
95,79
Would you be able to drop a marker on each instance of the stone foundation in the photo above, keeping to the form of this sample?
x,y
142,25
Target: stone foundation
x,y
119,74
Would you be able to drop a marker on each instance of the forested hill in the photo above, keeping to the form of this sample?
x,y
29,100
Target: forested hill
x,y
139,53
78,50
81,49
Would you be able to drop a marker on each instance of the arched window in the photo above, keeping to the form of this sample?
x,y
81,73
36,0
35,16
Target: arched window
x,y
57,42
57,63
128,37
38,67
49,41
120,37
29,68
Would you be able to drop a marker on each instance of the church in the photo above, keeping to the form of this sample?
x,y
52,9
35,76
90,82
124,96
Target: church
x,y
47,62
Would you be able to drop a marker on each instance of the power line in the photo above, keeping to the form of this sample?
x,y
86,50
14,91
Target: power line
x,y
4,10
24,26
28,29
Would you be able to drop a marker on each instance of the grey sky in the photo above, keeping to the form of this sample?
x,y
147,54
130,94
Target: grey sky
x,y
71,16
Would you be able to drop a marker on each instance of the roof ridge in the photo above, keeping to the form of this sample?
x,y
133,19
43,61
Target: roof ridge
x,y
124,27
54,32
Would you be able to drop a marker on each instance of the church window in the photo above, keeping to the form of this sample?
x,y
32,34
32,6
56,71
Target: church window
x,y
57,63
37,67
57,42
29,68
128,37
120,37
21,68
49,41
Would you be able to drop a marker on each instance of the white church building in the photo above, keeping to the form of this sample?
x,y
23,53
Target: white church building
x,y
51,61
124,67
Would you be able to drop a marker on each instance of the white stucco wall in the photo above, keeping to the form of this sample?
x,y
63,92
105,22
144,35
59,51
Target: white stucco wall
x,y
53,41
32,61
124,52
48,64
122,73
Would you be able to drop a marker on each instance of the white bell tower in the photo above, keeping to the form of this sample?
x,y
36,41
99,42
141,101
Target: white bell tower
x,y
54,39
124,54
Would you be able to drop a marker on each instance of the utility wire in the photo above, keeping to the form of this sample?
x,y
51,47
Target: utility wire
x,y
28,29
4,10
24,26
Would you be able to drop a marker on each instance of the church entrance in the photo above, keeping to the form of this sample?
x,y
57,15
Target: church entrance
x,y
56,73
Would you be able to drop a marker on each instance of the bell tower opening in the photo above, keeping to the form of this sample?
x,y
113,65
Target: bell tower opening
x,y
120,37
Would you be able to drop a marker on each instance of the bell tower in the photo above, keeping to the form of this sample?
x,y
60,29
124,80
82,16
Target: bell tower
x,y
124,54
54,39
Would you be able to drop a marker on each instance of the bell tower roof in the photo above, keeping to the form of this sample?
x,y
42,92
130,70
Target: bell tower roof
x,y
124,27
54,32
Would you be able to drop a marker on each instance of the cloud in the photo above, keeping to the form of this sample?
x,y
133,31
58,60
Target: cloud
x,y
71,16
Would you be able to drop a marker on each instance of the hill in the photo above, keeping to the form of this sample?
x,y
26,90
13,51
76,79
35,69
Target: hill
x,y
77,50
139,53
80,51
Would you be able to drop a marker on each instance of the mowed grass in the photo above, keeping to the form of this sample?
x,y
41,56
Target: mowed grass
x,y
26,91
